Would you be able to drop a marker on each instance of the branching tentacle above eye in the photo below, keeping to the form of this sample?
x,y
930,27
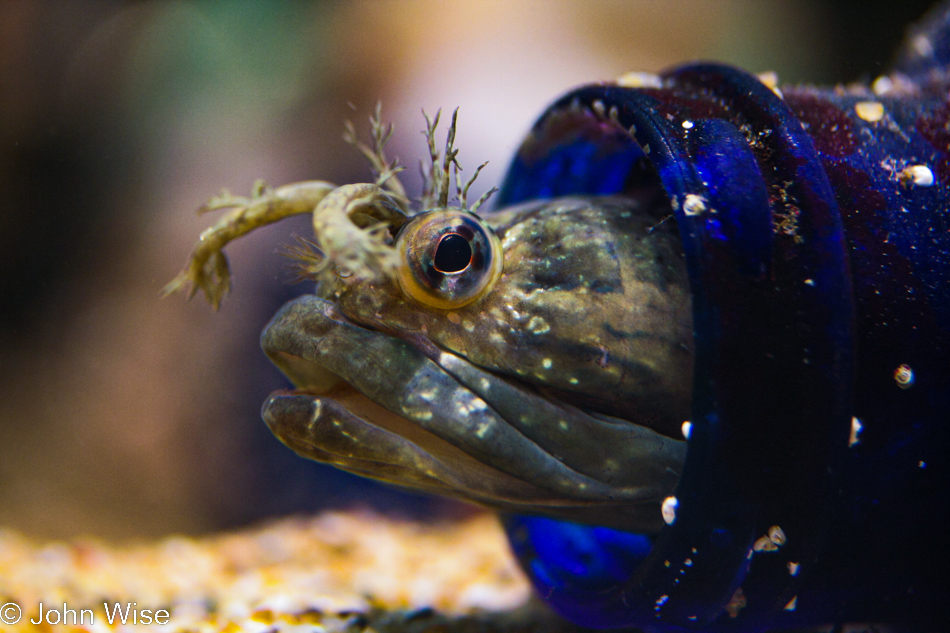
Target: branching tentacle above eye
x,y
385,170
354,225
437,178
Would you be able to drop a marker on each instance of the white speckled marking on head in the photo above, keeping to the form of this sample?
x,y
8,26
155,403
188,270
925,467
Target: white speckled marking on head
x,y
537,325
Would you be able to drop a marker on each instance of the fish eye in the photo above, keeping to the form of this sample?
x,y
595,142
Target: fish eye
x,y
447,258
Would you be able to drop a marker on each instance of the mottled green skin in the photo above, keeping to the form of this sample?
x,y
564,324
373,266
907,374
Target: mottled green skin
x,y
560,392
593,302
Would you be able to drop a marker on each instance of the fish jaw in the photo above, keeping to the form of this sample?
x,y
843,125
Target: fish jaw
x,y
389,408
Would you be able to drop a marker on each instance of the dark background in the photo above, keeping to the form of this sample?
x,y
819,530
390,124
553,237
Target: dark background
x,y
122,415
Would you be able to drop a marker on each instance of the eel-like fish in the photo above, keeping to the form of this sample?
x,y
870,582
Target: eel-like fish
x,y
699,255
510,400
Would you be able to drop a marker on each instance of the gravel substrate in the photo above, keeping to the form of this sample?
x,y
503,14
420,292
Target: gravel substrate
x,y
347,572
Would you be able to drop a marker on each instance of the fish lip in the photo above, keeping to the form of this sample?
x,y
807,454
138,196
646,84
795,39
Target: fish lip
x,y
306,375
298,339
283,343
454,428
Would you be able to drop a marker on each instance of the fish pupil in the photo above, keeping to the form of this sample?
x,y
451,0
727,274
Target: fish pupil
x,y
453,254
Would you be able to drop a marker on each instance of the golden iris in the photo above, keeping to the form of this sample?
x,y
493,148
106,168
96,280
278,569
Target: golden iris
x,y
448,258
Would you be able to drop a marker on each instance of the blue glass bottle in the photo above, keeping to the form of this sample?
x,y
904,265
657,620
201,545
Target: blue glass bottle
x,y
816,228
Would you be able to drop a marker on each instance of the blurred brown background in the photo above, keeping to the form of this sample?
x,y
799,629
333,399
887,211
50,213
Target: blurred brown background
x,y
122,415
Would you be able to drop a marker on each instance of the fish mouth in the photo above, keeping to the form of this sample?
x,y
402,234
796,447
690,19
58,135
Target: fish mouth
x,y
398,409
